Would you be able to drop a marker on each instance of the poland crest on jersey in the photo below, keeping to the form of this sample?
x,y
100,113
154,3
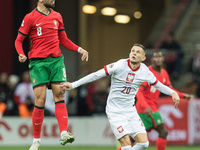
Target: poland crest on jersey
x,y
130,77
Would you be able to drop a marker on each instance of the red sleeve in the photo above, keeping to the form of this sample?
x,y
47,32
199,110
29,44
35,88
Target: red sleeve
x,y
141,104
67,43
26,25
18,44
179,93
61,25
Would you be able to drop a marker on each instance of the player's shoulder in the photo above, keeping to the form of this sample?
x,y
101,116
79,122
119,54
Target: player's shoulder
x,y
163,71
121,62
55,13
143,66
30,15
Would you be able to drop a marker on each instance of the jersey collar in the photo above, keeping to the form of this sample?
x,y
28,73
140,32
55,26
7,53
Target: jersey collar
x,y
130,66
42,12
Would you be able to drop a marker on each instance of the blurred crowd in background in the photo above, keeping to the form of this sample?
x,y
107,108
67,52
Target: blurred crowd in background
x,y
17,98
16,93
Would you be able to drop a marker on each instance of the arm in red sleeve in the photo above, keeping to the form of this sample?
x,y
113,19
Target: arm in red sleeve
x,y
67,43
179,93
18,44
141,104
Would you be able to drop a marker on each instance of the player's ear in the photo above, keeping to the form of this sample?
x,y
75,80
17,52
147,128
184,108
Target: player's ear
x,y
144,58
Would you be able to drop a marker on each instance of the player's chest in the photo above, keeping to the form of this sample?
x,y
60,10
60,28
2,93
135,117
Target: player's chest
x,y
160,77
130,78
46,24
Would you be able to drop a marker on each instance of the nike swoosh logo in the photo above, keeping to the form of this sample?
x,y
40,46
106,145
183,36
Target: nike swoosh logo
x,y
65,117
38,24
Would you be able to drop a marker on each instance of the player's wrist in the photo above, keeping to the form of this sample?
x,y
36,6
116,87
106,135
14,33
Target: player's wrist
x,y
79,50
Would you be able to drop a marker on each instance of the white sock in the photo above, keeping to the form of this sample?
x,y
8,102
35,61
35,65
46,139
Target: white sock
x,y
140,146
37,139
126,147
63,132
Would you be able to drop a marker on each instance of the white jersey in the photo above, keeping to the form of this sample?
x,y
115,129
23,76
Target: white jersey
x,y
125,83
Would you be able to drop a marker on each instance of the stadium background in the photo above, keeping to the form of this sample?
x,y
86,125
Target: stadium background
x,y
106,40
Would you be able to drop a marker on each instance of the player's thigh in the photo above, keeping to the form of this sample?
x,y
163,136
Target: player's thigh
x,y
40,95
119,125
137,126
58,71
141,138
58,92
148,121
39,72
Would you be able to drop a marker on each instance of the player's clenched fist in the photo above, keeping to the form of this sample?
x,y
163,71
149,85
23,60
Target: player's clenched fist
x,y
176,99
66,85
22,58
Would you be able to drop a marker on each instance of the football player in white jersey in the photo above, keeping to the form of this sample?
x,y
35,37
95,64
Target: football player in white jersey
x,y
126,77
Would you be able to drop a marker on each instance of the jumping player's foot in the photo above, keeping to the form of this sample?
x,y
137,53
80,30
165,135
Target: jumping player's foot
x,y
35,145
66,137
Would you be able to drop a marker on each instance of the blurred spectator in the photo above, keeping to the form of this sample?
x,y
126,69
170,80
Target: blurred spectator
x,y
100,95
174,55
195,61
194,68
3,92
84,94
24,96
12,109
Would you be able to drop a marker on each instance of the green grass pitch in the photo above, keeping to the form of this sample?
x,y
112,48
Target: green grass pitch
x,y
99,148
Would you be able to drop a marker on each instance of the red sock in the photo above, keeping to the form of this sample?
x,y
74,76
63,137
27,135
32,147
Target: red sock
x,y
161,143
119,148
37,119
61,116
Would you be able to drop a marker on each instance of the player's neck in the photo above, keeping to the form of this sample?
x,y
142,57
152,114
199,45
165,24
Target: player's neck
x,y
43,9
156,68
134,65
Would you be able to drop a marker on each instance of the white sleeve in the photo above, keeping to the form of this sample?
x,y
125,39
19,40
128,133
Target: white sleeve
x,y
163,88
89,78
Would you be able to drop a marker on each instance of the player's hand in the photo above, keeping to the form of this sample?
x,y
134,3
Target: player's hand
x,y
148,111
85,54
22,58
188,96
66,85
176,99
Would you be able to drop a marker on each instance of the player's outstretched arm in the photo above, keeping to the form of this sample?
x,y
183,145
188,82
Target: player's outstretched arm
x,y
168,91
176,99
187,96
66,85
